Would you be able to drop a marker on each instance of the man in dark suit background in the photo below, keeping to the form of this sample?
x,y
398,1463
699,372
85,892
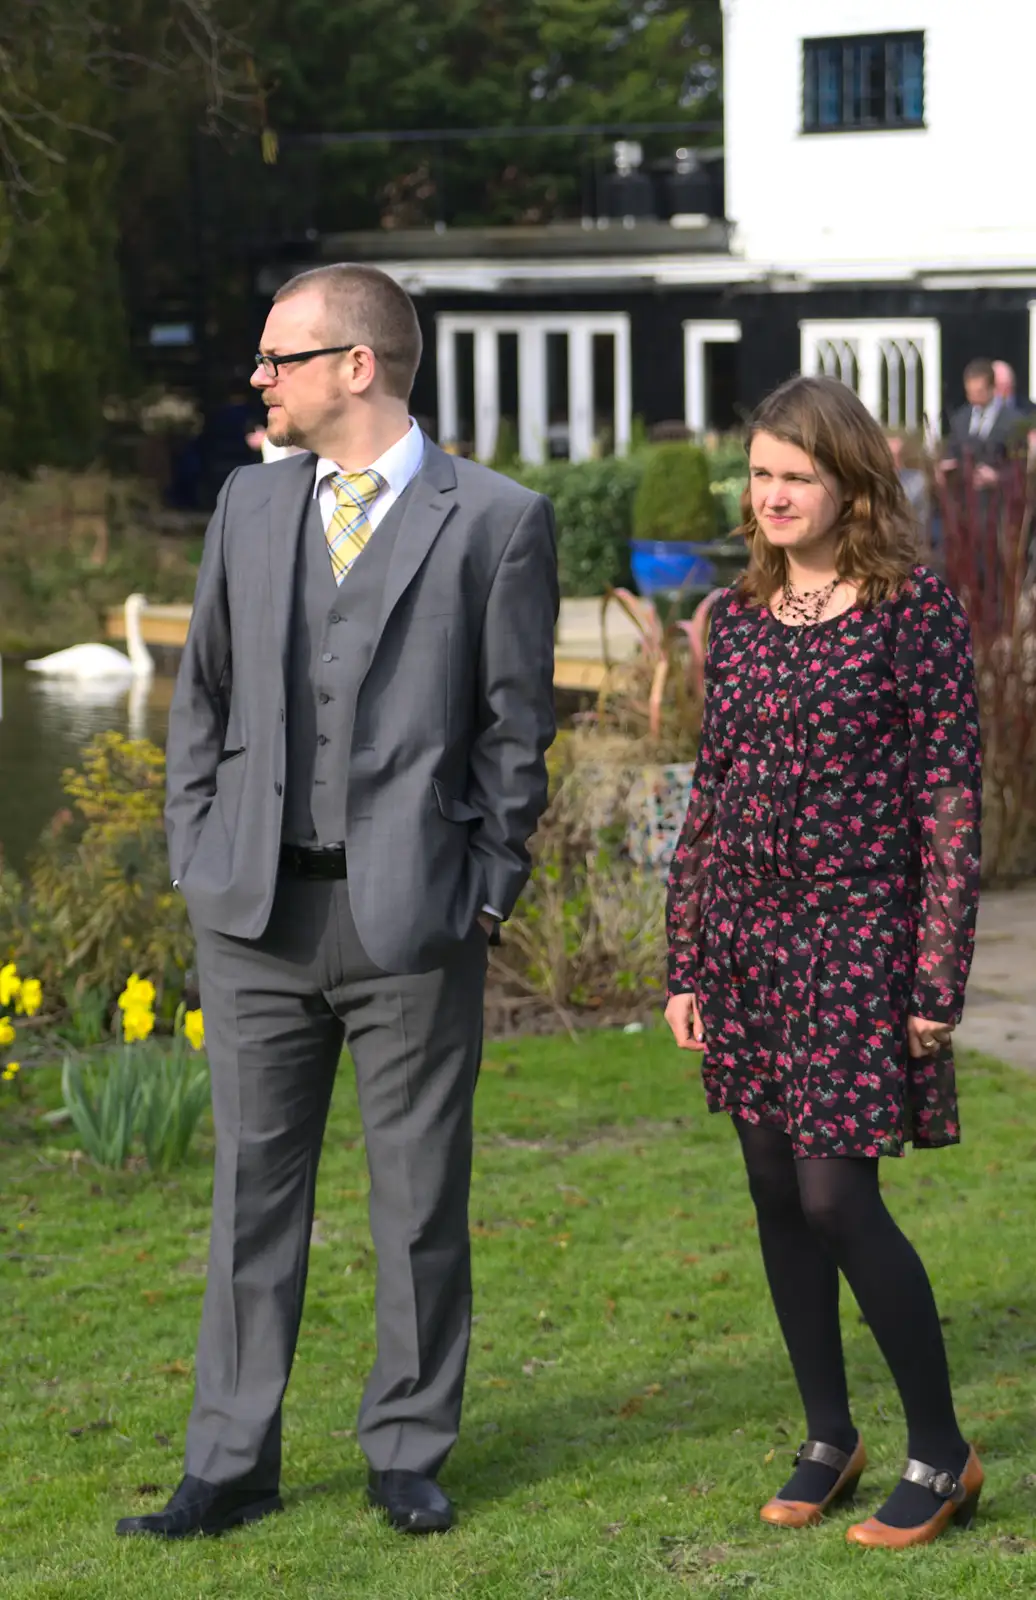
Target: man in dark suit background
x,y
984,429
355,765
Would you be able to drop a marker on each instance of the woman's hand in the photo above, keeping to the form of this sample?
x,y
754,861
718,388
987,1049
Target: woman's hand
x,y
925,1037
683,1017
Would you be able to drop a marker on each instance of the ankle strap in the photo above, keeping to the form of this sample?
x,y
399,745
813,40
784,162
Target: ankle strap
x,y
937,1479
825,1454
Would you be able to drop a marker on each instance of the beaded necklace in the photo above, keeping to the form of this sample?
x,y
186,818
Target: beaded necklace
x,y
804,607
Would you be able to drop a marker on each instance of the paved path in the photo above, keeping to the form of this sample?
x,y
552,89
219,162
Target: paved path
x,y
1000,1014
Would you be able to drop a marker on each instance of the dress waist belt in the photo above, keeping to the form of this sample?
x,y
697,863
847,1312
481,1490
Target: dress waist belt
x,y
817,893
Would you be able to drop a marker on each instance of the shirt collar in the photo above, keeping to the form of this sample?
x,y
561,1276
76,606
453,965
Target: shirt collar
x,y
399,464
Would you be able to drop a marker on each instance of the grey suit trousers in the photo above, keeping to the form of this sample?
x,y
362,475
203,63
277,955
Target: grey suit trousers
x,y
277,1010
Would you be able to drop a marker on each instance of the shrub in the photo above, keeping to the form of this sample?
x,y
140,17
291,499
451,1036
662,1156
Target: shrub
x,y
506,455
588,929
98,895
593,501
983,544
654,699
73,544
673,499
726,457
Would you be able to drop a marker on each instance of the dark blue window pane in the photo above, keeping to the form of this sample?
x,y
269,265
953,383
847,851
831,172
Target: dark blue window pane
x,y
874,58
913,80
830,97
863,82
852,85
811,114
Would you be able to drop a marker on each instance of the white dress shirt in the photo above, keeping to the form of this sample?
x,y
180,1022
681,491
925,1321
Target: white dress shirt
x,y
398,466
400,463
983,418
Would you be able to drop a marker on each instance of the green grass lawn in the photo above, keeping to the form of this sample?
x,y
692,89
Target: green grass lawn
x,y
629,1407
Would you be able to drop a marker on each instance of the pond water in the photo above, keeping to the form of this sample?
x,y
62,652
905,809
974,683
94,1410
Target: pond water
x,y
47,721
44,726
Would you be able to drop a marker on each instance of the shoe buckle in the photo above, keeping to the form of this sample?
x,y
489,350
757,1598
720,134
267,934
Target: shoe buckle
x,y
941,1482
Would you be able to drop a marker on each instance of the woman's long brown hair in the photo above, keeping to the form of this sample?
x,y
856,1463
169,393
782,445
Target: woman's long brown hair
x,y
877,535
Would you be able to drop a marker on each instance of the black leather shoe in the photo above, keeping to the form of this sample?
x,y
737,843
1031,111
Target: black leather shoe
x,y
200,1507
412,1502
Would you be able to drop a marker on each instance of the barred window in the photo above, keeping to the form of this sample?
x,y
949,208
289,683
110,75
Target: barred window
x,y
863,82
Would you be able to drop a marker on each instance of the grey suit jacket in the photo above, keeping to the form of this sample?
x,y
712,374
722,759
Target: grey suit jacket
x,y
447,776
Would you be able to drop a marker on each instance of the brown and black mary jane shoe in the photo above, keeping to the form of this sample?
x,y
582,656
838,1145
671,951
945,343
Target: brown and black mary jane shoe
x,y
805,1513
959,1496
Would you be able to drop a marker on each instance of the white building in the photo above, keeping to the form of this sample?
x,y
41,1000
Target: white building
x,y
876,139
877,222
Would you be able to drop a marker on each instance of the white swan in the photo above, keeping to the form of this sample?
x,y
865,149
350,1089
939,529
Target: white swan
x,y
96,661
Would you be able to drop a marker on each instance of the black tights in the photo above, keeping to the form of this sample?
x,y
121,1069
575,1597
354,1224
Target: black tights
x,y
817,1217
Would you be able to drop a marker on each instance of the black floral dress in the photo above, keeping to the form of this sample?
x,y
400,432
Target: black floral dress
x,y
825,884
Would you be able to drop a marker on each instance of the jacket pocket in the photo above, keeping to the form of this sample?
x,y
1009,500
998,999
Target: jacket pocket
x,y
230,755
452,809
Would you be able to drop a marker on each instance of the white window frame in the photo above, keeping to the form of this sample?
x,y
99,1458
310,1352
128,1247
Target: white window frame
x,y
1032,350
532,330
866,335
696,335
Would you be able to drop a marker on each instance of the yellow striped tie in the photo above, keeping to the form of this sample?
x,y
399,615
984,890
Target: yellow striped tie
x,y
349,528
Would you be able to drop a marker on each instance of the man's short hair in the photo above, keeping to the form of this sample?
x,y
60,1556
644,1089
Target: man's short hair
x,y
979,368
365,306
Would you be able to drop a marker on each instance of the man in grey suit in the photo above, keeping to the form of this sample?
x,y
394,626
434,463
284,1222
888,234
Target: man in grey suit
x,y
355,766
985,429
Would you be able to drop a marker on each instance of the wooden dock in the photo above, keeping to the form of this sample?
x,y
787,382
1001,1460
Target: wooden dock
x,y
579,650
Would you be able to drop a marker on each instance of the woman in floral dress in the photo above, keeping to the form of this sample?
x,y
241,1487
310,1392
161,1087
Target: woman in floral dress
x,y
821,921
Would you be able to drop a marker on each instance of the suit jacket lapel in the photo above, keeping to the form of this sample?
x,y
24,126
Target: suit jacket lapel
x,y
287,507
432,497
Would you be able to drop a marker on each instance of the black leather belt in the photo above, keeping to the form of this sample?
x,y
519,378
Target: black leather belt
x,y
314,861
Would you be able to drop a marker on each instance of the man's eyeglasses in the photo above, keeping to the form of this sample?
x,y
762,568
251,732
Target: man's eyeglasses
x,y
271,365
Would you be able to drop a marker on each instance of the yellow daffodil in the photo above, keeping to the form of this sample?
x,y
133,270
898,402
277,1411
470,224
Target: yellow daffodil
x,y
139,992
30,997
194,1029
7,1034
10,983
137,1023
10,1072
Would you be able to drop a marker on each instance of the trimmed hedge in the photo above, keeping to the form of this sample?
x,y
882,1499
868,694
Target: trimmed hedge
x,y
673,499
594,504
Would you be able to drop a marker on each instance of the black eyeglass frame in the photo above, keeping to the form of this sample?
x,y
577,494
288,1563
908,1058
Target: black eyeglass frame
x,y
276,362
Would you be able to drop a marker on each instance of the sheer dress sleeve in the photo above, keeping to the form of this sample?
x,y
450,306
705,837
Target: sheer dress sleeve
x,y
693,851
936,679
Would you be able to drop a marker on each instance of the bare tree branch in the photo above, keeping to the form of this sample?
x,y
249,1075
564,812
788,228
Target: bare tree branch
x,y
67,68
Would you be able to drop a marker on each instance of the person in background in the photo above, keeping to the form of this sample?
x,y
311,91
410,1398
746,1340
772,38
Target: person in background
x,y
257,438
911,475
821,918
981,430
1006,388
909,461
1005,384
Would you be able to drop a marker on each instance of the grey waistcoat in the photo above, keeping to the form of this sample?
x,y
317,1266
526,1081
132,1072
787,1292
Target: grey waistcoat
x,y
333,629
